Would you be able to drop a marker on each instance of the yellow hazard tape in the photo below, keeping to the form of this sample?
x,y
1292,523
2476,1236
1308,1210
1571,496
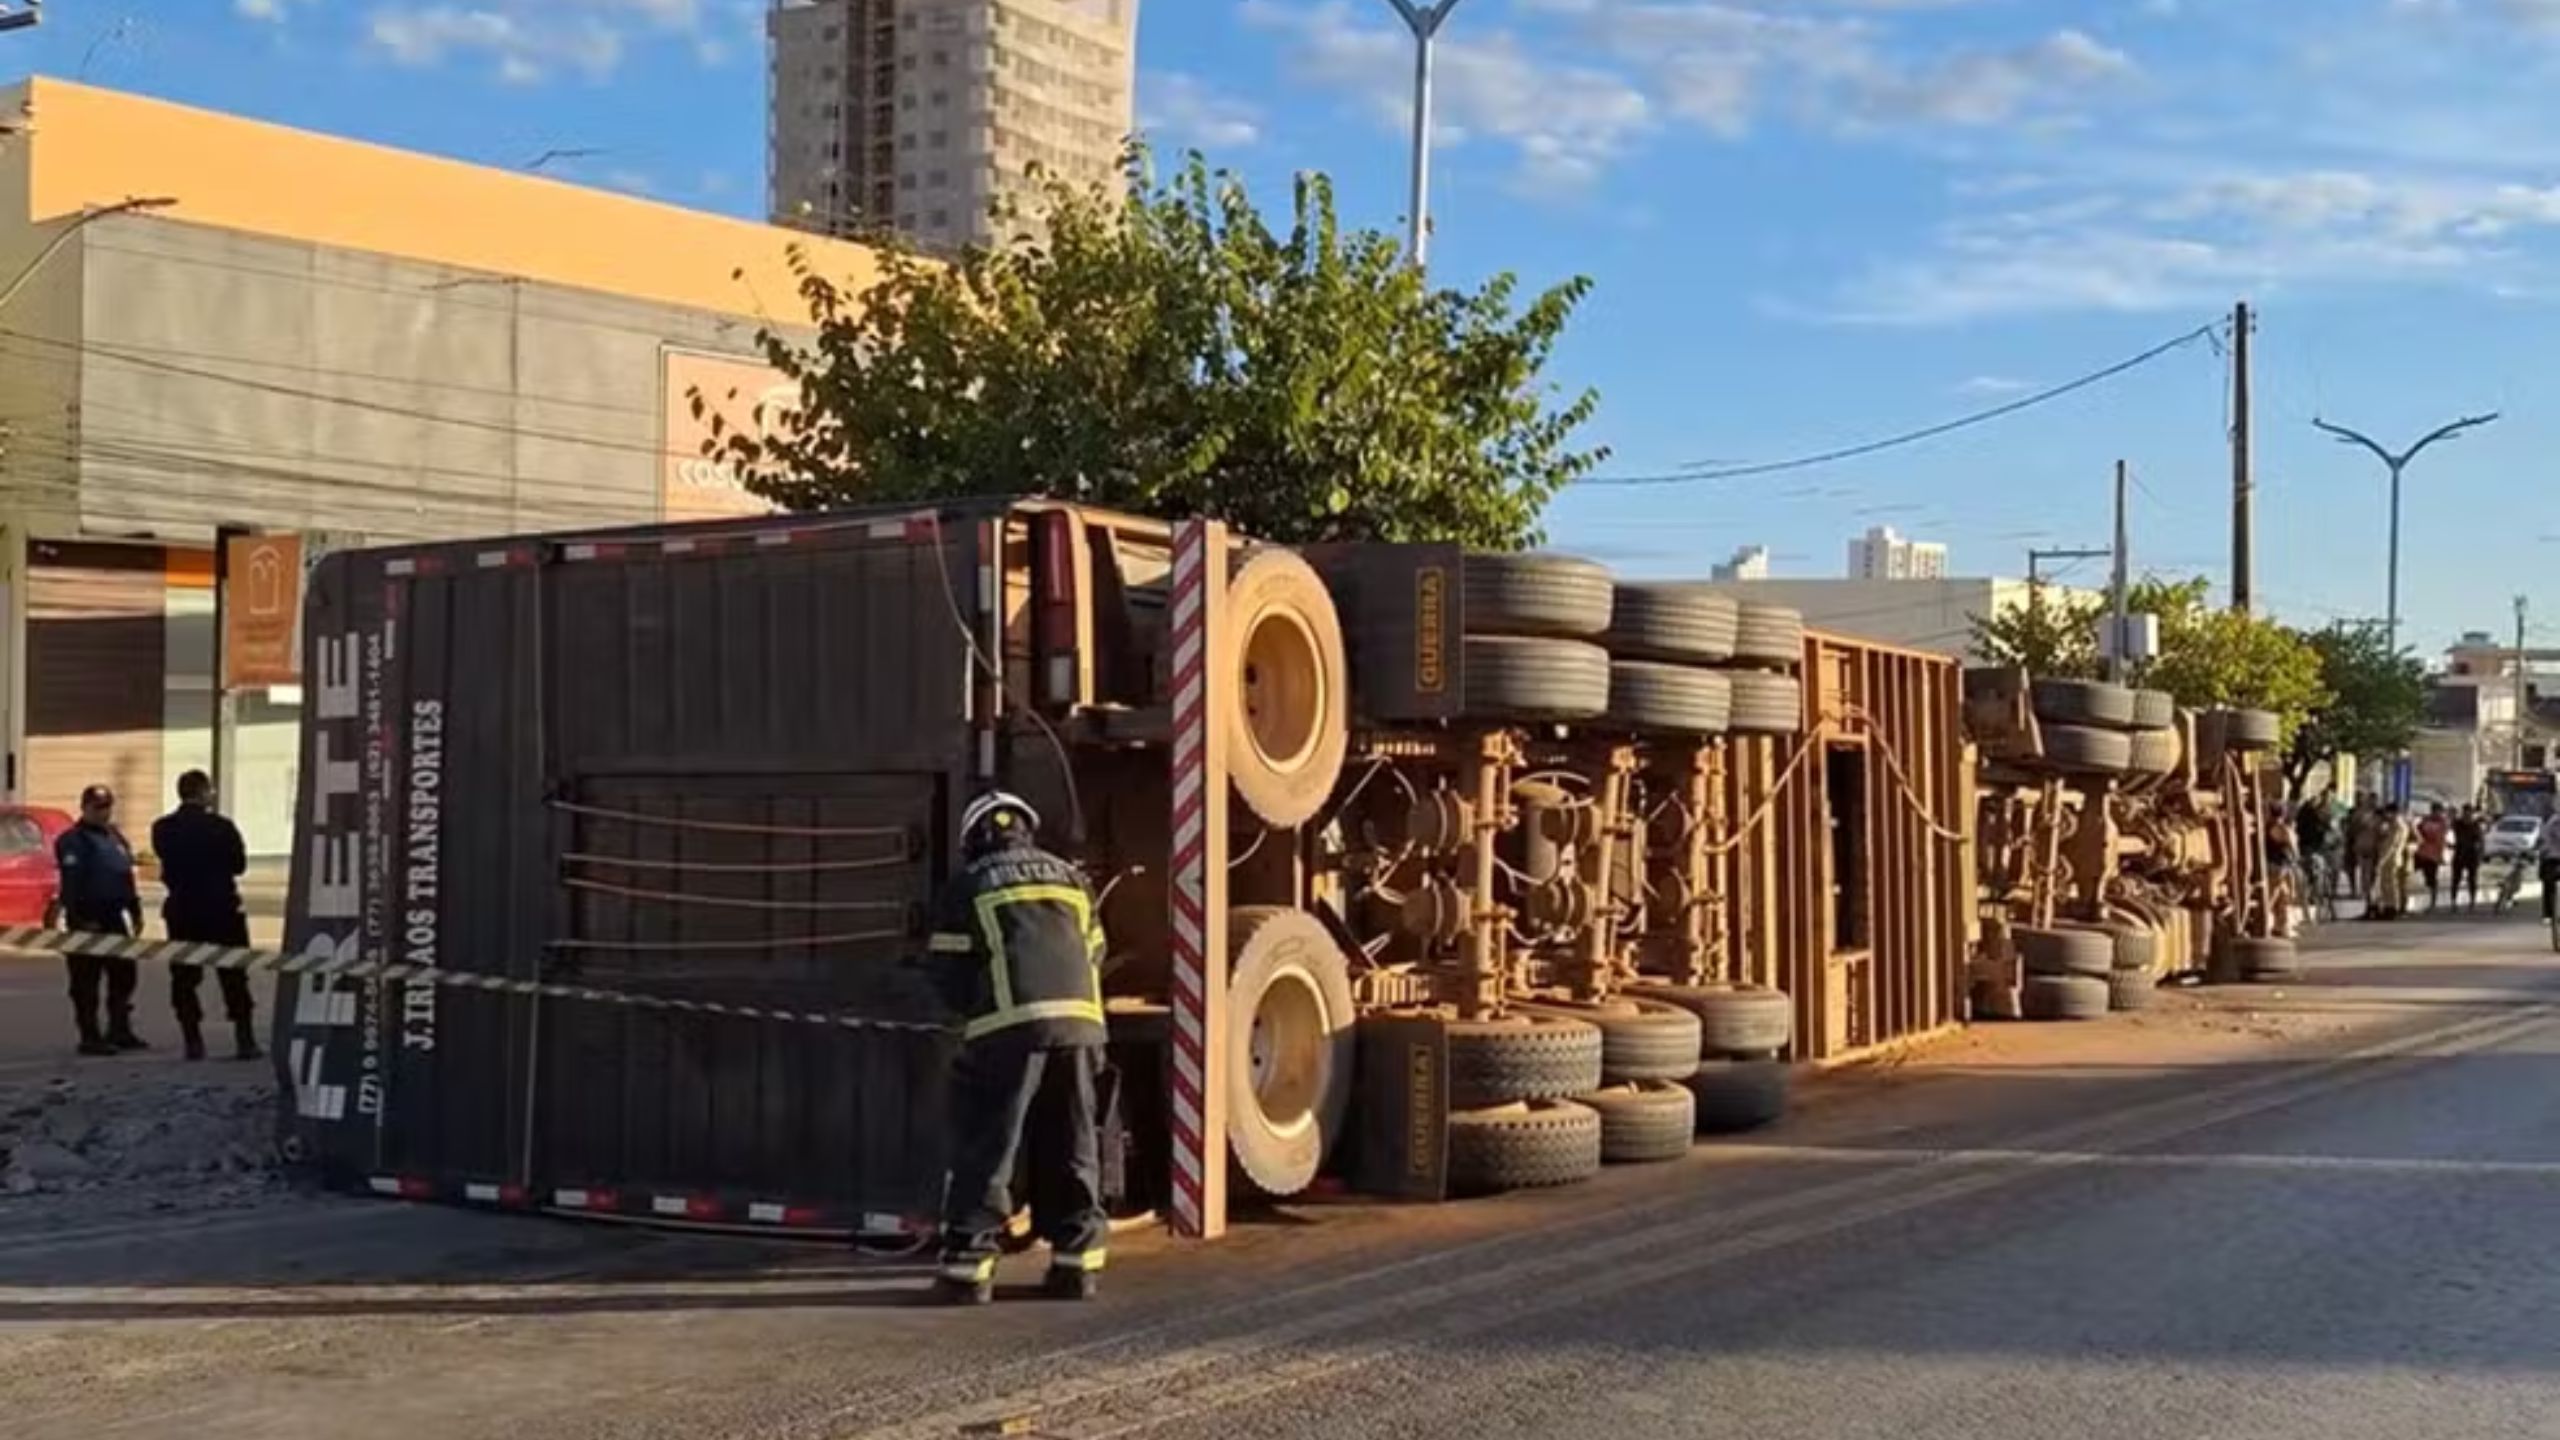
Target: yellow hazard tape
x,y
333,967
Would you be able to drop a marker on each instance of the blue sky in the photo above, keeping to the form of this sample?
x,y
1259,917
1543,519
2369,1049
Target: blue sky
x,y
1809,221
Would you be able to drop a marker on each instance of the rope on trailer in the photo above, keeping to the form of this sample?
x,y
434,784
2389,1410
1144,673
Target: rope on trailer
x,y
725,902
319,967
710,867
689,947
731,827
1767,803
1902,781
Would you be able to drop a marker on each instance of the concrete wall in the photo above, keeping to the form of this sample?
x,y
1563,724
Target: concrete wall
x,y
230,378
1933,615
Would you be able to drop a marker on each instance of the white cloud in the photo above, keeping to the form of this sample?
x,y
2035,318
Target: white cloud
x,y
1995,386
2200,244
1587,79
270,10
1177,110
526,41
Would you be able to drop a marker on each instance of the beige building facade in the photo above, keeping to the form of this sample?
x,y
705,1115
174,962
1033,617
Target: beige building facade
x,y
919,116
300,335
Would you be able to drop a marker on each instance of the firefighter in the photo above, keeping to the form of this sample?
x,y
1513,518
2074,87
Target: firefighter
x,y
98,896
201,862
1016,951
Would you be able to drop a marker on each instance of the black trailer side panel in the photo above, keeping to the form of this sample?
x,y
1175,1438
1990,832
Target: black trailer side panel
x,y
704,763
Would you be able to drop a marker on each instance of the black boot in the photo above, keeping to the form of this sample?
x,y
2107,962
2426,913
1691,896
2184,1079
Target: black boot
x,y
191,1033
120,1034
244,1039
91,1042
1063,1283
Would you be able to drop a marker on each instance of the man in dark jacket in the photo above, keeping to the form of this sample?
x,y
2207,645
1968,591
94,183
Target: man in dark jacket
x,y
1016,951
201,862
98,896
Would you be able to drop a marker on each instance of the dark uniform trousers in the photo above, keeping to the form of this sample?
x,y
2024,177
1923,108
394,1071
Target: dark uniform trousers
x,y
1016,949
1007,1095
186,982
118,975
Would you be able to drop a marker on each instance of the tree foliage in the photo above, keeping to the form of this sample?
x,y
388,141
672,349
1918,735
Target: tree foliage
x,y
2375,699
2208,656
2054,634
1170,353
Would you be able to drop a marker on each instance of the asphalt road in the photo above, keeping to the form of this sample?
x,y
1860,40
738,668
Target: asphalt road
x,y
2323,1212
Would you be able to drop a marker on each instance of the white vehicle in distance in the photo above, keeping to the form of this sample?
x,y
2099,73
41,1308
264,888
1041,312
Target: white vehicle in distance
x,y
2512,836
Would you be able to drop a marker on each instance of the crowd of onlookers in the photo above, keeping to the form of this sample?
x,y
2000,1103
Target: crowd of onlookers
x,y
2379,854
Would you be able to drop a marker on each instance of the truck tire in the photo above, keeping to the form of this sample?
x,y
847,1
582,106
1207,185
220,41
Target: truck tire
x,y
1734,1021
1680,624
2266,957
2154,752
1656,1120
2064,997
2251,730
2130,990
2061,951
1670,699
2084,702
2154,710
1292,718
1768,635
2137,946
2087,750
1559,596
1737,1095
1766,704
1521,1057
1639,1039
1522,1147
1291,1045
1514,678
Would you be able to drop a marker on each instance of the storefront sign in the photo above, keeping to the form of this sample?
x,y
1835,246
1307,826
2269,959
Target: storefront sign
x,y
708,398
262,612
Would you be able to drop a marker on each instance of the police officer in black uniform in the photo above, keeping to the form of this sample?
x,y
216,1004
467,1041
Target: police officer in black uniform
x,y
98,896
201,862
1016,950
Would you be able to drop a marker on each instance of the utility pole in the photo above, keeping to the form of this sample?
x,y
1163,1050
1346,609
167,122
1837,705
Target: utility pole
x,y
2035,581
2116,585
1424,20
2523,697
2396,464
2244,541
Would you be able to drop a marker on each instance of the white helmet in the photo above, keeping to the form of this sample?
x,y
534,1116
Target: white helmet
x,y
998,811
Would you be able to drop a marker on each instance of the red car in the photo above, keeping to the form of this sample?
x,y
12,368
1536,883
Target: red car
x,y
29,883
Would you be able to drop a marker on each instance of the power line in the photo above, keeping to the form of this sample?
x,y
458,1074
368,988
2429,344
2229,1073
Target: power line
x,y
1913,437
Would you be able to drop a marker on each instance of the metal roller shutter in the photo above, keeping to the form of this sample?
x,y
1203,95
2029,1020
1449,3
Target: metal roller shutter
x,y
97,638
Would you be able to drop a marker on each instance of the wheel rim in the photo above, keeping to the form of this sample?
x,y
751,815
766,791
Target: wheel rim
x,y
1288,1052
1284,689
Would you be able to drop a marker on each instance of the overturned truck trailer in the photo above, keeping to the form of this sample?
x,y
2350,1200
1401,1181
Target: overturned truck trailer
x,y
623,840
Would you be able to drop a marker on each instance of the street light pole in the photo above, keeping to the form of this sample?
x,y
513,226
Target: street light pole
x,y
2397,463
1424,20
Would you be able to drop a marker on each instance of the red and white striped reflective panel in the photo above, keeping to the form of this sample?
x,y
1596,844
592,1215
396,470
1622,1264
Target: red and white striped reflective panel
x,y
1191,1157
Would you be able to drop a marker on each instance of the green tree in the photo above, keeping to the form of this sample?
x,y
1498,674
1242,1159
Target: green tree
x,y
2054,634
2211,656
2207,656
2375,700
1172,354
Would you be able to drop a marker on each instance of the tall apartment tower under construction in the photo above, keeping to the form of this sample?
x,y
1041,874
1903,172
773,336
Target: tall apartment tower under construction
x,y
917,115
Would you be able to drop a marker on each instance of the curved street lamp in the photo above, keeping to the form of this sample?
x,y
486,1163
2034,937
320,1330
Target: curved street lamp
x,y
2396,464
1424,18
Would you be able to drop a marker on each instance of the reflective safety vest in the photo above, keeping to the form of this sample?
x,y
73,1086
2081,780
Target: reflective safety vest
x,y
1017,947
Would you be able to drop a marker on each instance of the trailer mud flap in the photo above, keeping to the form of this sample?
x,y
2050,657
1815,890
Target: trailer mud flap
x,y
1400,1109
